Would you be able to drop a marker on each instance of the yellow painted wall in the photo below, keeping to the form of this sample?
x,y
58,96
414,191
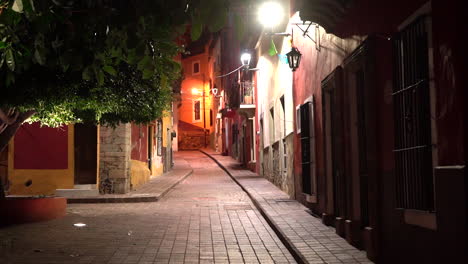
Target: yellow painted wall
x,y
157,165
44,182
139,173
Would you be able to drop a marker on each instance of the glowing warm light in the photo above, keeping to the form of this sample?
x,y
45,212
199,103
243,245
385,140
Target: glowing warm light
x,y
245,59
270,14
195,91
80,224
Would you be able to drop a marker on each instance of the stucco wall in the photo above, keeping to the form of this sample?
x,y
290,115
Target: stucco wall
x,y
139,173
41,160
139,142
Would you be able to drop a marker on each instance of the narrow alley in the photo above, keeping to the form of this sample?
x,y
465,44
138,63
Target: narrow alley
x,y
207,218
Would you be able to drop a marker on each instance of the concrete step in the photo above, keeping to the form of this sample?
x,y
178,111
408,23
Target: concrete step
x,y
74,193
85,186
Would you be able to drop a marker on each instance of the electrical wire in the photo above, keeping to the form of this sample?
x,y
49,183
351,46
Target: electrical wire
x,y
224,75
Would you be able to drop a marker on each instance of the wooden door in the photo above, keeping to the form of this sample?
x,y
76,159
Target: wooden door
x,y
336,176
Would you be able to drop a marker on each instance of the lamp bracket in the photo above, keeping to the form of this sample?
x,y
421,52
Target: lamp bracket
x,y
282,34
305,32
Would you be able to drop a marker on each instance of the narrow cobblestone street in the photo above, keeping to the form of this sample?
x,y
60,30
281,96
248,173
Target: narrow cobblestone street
x,y
207,218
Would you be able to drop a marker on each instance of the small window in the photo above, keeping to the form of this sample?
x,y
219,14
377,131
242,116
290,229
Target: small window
x,y
196,68
196,111
211,117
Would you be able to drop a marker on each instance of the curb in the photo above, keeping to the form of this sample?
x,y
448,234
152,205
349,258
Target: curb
x,y
138,198
175,184
288,244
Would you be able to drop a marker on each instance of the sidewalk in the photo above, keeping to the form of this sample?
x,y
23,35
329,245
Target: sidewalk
x,y
303,234
151,191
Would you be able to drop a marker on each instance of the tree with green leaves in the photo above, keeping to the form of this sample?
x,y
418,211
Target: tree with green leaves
x,y
101,61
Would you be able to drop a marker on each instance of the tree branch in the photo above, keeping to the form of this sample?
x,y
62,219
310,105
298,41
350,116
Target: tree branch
x,y
11,129
8,132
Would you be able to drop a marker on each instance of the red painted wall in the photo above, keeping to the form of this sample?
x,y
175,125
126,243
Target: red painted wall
x,y
139,142
39,147
449,57
414,244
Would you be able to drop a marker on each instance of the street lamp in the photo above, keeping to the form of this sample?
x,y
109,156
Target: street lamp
x,y
245,59
214,91
294,58
270,14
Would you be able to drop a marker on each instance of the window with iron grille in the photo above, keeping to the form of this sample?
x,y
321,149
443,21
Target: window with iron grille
x,y
412,110
159,127
284,153
272,123
308,148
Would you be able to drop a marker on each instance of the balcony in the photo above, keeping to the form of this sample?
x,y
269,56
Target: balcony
x,y
247,98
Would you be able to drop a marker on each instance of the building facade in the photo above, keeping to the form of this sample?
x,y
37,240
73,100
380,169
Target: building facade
x,y
196,109
373,130
85,159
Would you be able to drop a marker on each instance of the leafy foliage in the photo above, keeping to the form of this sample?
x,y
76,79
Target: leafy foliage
x,y
105,61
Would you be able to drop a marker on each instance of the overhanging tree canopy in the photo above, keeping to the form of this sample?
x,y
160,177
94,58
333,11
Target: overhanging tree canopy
x,y
104,61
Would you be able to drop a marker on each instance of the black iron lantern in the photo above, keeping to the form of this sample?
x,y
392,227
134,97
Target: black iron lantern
x,y
294,58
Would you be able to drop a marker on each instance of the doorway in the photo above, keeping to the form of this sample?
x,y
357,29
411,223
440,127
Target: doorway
x,y
85,153
336,182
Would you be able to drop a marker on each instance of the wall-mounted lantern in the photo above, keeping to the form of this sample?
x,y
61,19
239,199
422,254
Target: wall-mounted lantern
x,y
294,58
214,91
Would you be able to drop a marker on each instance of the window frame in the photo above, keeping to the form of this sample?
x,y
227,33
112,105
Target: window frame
x,y
425,219
193,67
159,129
194,119
312,195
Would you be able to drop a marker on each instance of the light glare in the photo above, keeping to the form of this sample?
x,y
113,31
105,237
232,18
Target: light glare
x,y
270,14
245,59
79,225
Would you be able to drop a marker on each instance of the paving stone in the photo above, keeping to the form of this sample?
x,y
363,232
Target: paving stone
x,y
315,242
206,218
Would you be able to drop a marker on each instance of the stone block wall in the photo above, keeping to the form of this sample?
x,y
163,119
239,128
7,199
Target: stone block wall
x,y
272,162
114,159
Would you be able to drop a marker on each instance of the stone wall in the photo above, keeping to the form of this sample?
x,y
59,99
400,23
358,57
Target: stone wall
x,y
272,162
114,159
288,182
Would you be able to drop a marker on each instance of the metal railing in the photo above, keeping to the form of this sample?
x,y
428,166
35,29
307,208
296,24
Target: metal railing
x,y
413,147
247,94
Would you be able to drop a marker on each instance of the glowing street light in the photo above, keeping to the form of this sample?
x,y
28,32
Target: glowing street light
x,y
245,59
195,91
270,14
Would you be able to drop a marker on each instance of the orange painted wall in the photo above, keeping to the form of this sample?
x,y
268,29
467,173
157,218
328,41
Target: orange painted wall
x,y
192,90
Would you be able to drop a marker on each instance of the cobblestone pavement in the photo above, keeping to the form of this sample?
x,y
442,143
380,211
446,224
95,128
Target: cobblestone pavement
x,y
207,218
